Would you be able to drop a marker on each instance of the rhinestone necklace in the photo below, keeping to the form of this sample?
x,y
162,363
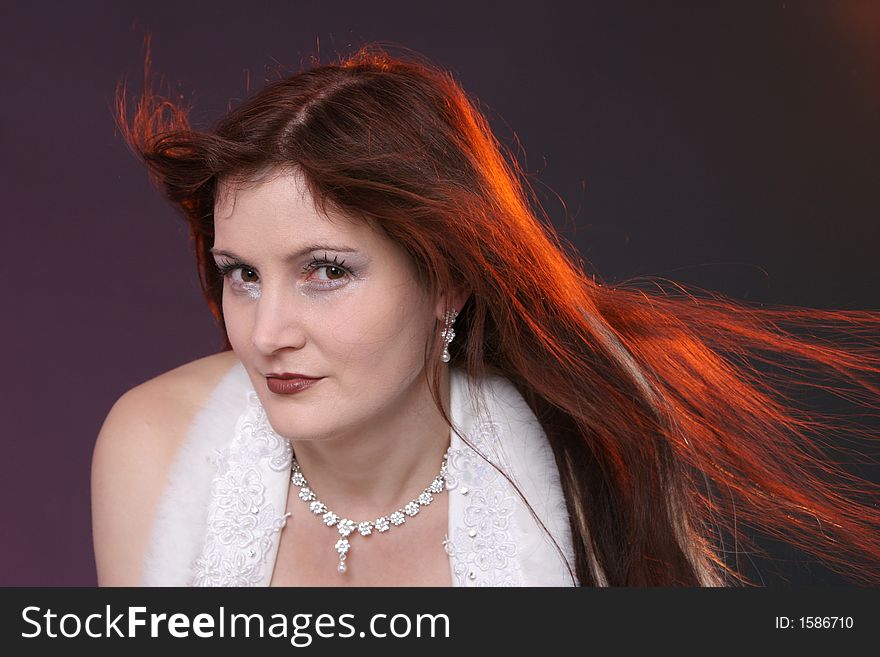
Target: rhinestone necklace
x,y
345,526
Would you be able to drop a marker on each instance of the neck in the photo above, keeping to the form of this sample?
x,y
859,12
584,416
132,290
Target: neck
x,y
382,466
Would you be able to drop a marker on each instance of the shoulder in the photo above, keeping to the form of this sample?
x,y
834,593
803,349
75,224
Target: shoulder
x,y
132,456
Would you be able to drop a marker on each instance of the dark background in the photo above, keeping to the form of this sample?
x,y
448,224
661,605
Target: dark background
x,y
729,145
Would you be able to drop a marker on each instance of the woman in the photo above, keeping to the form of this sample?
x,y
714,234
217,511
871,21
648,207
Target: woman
x,y
471,407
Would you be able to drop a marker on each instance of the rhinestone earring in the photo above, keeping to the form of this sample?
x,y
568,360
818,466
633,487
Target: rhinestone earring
x,y
447,333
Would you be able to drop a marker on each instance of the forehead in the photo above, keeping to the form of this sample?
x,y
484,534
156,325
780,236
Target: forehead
x,y
278,207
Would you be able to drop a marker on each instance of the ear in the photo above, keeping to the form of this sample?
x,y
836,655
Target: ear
x,y
452,299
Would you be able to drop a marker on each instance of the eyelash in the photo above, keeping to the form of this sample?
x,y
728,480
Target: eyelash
x,y
226,267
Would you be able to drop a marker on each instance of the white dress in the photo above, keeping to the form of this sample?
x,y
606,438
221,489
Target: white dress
x,y
218,522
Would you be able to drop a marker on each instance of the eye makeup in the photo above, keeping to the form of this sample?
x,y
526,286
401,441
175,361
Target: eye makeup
x,y
337,272
227,269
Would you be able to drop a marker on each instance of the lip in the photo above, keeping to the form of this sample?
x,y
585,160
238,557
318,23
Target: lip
x,y
288,375
289,386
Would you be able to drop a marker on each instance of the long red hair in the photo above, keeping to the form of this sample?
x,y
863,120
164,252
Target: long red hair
x,y
672,413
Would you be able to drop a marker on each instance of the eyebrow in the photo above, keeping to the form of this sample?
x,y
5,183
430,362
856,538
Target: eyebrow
x,y
293,256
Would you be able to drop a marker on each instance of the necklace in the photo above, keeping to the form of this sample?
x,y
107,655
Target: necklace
x,y
346,527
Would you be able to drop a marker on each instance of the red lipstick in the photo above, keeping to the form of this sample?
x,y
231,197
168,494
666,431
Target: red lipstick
x,y
288,384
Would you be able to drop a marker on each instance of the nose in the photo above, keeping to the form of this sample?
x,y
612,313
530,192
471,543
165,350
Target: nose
x,y
277,321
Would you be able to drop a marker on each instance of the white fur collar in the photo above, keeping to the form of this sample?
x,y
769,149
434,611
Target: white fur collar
x,y
218,521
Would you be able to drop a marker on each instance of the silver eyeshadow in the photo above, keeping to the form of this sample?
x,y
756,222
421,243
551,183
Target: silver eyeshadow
x,y
250,289
323,257
253,288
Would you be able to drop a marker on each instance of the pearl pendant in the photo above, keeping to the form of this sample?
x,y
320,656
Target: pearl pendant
x,y
341,567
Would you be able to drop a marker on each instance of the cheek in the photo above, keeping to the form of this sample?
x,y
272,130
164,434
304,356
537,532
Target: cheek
x,y
236,323
385,331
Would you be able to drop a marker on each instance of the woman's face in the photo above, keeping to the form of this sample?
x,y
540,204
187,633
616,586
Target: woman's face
x,y
325,299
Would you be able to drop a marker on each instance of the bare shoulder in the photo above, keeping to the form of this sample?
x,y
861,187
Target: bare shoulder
x,y
162,408
188,384
132,456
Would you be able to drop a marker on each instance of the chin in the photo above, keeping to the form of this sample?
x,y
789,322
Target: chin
x,y
296,423
287,427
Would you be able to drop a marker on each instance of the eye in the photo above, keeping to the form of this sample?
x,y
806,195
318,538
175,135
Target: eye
x,y
334,270
226,269
247,275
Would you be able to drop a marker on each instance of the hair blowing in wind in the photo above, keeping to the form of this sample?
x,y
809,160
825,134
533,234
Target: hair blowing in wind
x,y
675,415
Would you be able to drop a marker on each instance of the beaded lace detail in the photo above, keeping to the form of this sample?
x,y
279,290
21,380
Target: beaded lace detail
x,y
483,551
242,523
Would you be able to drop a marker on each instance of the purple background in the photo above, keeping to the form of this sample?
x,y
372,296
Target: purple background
x,y
728,145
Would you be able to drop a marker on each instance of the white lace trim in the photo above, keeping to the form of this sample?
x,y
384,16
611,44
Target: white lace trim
x,y
243,522
483,551
494,539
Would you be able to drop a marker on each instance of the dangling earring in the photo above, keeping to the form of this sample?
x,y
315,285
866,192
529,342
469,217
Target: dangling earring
x,y
447,333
